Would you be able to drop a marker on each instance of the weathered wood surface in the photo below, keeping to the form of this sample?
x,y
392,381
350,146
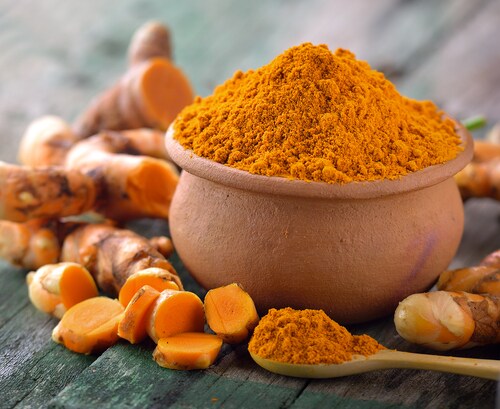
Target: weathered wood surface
x,y
56,55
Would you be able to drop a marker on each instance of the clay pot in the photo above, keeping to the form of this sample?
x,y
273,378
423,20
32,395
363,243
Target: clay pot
x,y
353,250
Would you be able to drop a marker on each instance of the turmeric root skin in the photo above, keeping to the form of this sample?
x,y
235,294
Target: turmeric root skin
x,y
445,320
90,326
46,142
187,351
51,192
130,186
149,95
149,41
112,255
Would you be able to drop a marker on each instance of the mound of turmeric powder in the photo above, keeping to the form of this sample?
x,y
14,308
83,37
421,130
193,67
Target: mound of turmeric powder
x,y
307,337
315,115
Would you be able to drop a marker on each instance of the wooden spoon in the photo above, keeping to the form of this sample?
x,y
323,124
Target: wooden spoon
x,y
385,359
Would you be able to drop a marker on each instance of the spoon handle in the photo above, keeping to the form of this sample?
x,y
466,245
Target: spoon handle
x,y
482,368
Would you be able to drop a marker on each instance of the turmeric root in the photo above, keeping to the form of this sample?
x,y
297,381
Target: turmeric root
x,y
31,244
132,326
163,244
187,351
52,192
480,179
54,288
157,278
175,312
90,326
231,313
46,142
151,40
149,95
491,260
130,186
445,320
478,280
112,255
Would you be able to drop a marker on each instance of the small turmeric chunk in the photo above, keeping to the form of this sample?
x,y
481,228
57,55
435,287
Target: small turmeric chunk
x,y
175,312
132,326
90,326
187,351
231,313
158,278
54,288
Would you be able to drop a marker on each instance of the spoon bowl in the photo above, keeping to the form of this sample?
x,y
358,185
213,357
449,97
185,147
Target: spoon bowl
x,y
386,359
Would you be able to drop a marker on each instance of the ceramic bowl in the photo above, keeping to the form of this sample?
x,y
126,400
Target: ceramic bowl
x,y
353,250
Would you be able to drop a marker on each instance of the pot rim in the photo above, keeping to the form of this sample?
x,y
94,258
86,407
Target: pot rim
x,y
241,179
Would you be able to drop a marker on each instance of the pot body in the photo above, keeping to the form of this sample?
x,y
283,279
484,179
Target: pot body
x,y
354,258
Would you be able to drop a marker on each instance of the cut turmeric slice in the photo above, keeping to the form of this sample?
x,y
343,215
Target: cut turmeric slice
x,y
132,326
187,351
157,278
231,313
149,95
90,326
175,312
54,288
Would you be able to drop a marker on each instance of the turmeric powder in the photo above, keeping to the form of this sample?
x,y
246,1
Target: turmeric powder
x,y
318,116
307,337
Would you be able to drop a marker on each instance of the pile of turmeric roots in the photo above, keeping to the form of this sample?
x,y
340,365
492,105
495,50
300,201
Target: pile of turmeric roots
x,y
61,210
465,311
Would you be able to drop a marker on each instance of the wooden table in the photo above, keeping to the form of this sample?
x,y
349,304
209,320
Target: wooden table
x,y
56,55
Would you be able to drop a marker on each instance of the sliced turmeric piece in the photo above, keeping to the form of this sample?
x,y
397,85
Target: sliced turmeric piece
x,y
175,312
231,313
444,320
192,350
132,326
90,326
149,95
54,288
157,278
